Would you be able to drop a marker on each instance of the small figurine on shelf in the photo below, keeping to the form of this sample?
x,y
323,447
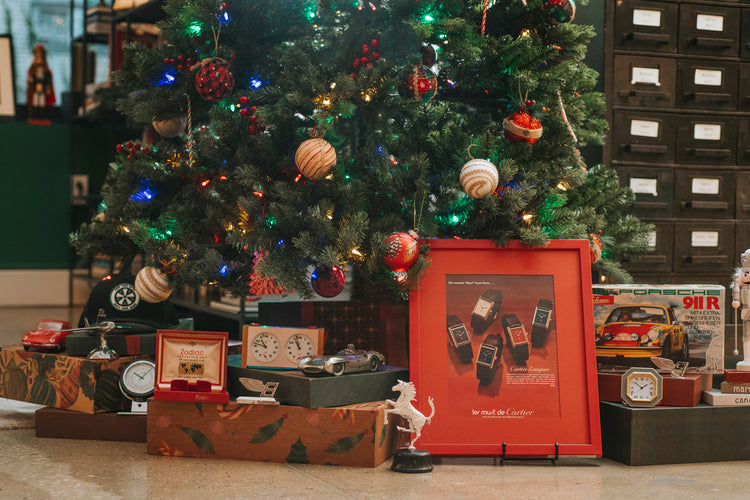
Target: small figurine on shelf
x,y
40,93
741,297
410,459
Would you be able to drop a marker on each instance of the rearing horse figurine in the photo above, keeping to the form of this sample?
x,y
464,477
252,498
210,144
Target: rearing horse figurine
x,y
402,406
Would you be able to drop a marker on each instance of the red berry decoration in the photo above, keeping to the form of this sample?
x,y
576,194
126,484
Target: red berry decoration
x,y
402,251
214,81
562,11
420,84
522,127
328,281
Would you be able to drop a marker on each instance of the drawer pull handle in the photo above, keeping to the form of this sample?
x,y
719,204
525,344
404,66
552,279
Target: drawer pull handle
x,y
644,93
703,97
705,152
658,149
705,205
649,259
705,259
650,204
646,37
718,43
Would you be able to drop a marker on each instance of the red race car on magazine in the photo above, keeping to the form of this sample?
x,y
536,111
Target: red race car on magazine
x,y
49,334
642,331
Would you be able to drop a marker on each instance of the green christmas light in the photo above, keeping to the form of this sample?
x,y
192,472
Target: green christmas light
x,y
194,29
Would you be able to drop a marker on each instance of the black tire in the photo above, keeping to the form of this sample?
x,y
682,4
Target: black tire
x,y
374,364
685,351
666,350
338,369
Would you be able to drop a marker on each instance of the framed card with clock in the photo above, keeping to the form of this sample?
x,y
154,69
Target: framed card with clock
x,y
279,346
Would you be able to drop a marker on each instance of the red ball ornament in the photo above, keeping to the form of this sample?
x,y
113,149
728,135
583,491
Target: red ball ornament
x,y
562,11
595,248
214,81
402,251
522,127
328,281
420,84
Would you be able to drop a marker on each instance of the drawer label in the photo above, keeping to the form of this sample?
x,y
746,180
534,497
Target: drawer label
x,y
709,23
643,186
645,75
702,185
643,17
651,240
707,131
704,239
644,128
707,77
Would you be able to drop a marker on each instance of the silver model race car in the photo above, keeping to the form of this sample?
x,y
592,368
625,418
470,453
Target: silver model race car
x,y
349,360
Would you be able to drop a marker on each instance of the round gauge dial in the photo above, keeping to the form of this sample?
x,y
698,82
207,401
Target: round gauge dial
x,y
137,379
298,346
265,347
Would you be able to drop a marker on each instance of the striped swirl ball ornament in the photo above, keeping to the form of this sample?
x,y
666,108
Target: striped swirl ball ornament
x,y
151,285
479,178
315,158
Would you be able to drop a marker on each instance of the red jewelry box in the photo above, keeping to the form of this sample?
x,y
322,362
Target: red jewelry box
x,y
191,366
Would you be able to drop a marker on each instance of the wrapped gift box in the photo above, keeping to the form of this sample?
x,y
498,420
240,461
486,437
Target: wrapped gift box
x,y
354,435
57,423
82,343
296,388
61,381
367,325
684,391
132,344
672,435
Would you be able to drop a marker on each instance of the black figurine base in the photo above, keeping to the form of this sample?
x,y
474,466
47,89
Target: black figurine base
x,y
413,461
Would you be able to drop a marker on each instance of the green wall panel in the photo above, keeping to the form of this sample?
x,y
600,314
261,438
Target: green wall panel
x,y
34,196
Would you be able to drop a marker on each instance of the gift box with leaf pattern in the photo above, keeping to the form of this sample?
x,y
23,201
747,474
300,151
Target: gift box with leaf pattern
x,y
353,435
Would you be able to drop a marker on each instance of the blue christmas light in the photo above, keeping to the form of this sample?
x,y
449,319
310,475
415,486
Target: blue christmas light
x,y
224,270
224,18
145,193
256,83
167,79
380,151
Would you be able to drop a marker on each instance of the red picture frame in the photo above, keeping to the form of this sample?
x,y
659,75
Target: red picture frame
x,y
542,406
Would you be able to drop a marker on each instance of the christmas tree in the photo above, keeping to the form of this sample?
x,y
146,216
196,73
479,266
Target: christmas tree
x,y
301,140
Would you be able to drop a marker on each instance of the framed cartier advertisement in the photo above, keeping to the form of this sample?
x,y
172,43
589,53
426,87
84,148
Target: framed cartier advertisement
x,y
501,338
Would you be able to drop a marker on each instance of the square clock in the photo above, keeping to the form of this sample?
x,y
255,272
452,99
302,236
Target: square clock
x,y
279,346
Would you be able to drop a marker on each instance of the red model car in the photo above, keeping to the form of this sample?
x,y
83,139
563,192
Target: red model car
x,y
49,334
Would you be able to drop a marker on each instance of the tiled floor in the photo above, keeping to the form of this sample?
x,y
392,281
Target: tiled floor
x,y
32,468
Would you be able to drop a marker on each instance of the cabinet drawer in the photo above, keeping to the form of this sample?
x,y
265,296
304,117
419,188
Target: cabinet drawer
x,y
742,195
743,92
707,84
745,32
704,247
704,193
707,140
659,257
645,81
639,136
709,30
743,141
742,240
646,26
653,188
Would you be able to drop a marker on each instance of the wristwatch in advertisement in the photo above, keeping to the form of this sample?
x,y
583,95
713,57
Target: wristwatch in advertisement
x,y
518,339
459,340
540,323
488,358
485,310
